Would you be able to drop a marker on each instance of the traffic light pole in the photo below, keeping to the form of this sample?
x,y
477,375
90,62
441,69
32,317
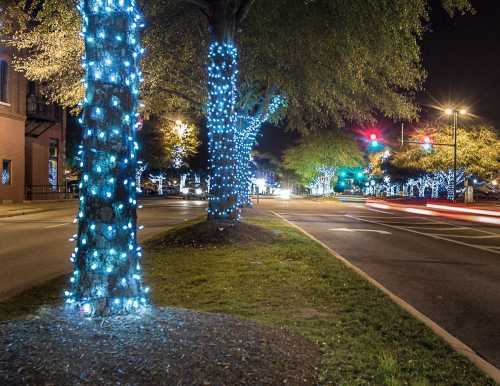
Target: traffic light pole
x,y
455,124
453,145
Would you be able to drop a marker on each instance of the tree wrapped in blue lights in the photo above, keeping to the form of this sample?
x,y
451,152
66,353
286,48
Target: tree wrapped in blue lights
x,y
248,127
106,277
222,76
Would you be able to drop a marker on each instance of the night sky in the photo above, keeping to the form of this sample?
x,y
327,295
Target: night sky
x,y
462,58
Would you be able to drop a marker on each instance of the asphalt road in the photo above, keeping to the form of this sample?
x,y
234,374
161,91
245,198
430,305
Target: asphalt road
x,y
448,270
35,248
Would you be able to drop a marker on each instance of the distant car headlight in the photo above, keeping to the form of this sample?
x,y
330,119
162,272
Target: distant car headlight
x,y
185,190
198,191
285,194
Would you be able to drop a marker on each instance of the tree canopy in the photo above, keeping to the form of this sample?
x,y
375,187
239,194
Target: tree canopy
x,y
312,153
161,143
334,60
478,150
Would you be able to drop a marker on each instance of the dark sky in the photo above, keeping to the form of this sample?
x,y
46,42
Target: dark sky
x,y
462,58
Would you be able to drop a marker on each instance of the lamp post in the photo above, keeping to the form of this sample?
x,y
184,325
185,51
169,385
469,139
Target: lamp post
x,y
427,143
455,113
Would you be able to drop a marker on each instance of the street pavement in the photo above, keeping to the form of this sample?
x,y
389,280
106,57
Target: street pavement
x,y
35,247
448,270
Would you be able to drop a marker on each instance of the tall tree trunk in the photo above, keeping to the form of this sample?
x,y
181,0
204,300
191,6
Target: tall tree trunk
x,y
107,274
222,90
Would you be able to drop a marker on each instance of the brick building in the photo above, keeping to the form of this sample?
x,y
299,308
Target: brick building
x,y
32,139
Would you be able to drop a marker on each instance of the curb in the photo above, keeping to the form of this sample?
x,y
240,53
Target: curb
x,y
456,344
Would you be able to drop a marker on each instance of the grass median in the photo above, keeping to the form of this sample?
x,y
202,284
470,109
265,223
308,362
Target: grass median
x,y
294,283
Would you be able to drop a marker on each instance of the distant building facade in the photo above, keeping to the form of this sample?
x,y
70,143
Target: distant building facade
x,y
32,139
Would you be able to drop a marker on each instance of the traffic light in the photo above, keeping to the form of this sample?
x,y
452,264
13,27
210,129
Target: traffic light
x,y
427,143
373,140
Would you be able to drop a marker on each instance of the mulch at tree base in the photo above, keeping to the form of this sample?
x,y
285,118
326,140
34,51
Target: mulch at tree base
x,y
214,233
160,347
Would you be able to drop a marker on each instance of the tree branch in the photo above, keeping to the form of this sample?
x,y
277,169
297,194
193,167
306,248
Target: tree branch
x,y
243,11
203,4
179,94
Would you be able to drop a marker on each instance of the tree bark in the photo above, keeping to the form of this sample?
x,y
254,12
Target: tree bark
x,y
107,274
222,90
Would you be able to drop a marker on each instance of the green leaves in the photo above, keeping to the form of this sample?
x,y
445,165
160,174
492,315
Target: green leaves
x,y
331,149
478,150
334,60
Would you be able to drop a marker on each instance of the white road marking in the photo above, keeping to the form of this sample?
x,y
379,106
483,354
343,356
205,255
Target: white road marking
x,y
57,225
483,248
360,230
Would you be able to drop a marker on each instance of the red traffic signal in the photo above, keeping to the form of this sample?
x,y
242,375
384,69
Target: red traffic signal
x,y
427,143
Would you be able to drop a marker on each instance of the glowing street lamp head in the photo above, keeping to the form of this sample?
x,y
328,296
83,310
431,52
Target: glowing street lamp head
x,y
448,111
180,128
463,112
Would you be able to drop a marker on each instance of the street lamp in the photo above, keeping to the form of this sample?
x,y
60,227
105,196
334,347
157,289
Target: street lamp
x,y
455,113
180,128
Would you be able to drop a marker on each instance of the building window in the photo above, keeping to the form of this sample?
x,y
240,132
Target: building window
x,y
6,172
4,71
53,163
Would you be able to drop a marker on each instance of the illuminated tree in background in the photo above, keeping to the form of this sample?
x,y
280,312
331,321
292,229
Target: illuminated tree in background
x,y
447,177
478,149
106,278
248,126
141,168
322,183
158,179
315,158
334,73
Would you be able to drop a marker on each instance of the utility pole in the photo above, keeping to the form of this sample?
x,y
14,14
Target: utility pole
x,y
455,124
455,113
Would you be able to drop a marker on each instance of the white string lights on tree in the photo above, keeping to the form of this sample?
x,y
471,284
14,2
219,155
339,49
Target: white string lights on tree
x,y
322,183
158,179
107,274
181,129
141,168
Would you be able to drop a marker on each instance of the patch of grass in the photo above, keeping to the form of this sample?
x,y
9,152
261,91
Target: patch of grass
x,y
294,283
30,301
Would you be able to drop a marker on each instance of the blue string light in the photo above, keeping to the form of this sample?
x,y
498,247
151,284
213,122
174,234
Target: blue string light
x,y
248,128
222,77
106,277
